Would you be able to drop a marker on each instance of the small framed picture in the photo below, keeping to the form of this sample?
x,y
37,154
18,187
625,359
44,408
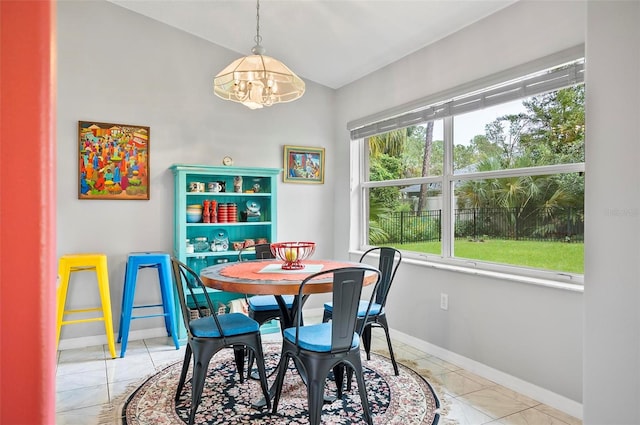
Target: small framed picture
x,y
303,164
113,161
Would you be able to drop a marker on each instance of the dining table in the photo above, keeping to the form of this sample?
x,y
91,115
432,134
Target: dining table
x,y
267,277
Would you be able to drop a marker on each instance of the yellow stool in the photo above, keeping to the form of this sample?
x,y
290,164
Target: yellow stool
x,y
85,262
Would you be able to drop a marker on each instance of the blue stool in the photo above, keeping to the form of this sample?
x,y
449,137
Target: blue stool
x,y
142,260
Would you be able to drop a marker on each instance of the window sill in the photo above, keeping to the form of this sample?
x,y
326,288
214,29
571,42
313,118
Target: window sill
x,y
512,277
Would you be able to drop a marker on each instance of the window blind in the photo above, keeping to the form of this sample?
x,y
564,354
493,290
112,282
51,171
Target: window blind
x,y
533,84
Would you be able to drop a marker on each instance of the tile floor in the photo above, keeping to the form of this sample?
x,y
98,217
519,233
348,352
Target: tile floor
x,y
88,383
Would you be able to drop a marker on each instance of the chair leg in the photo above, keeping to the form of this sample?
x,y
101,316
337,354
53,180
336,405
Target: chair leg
x,y
315,396
128,295
362,389
366,340
166,287
261,371
183,374
103,285
63,272
338,374
202,357
382,320
238,354
277,385
326,316
349,377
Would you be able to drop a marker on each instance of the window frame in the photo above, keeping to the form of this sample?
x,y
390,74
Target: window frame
x,y
361,184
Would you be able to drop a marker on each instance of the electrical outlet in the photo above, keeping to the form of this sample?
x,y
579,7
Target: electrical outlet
x,y
444,301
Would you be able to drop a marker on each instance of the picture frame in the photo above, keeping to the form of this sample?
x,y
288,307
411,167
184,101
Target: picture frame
x,y
303,164
113,161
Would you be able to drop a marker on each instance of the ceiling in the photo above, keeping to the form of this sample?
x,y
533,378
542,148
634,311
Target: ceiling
x,y
331,42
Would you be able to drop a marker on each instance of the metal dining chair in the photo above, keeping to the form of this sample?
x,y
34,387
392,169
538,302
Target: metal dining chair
x,y
318,348
389,260
262,308
209,334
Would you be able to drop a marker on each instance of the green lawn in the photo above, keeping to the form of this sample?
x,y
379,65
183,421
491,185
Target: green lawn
x,y
559,256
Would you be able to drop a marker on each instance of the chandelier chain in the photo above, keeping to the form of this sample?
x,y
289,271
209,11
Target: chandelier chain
x,y
258,38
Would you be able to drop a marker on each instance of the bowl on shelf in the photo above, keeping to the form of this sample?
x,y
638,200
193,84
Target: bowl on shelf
x,y
194,213
293,253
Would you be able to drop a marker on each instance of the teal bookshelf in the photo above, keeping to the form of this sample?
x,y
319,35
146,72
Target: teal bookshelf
x,y
263,179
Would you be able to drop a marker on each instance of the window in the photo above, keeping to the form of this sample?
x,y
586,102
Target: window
x,y
490,179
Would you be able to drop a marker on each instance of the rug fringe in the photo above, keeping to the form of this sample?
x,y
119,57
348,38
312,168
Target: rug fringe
x,y
436,386
112,413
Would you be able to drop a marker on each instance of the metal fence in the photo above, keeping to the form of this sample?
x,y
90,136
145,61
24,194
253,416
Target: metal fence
x,y
563,224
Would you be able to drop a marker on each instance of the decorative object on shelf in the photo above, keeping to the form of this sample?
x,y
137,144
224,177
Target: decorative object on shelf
x,y
220,240
252,213
293,253
261,241
223,185
222,213
227,161
258,80
194,213
113,161
189,247
213,187
213,212
237,184
303,164
197,263
196,187
237,246
206,211
256,186
201,244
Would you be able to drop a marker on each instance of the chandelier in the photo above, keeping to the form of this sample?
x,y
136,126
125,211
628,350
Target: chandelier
x,y
258,80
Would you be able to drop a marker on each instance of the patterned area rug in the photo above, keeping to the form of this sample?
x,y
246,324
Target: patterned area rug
x,y
406,399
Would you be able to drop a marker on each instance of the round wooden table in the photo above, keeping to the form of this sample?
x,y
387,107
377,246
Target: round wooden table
x,y
266,277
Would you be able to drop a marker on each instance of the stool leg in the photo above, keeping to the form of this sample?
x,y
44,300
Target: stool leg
x,y
166,288
63,272
103,285
130,279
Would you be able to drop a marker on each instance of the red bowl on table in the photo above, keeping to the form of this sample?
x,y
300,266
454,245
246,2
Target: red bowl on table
x,y
293,253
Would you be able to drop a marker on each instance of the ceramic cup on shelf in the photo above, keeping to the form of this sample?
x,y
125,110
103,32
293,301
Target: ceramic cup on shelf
x,y
214,187
196,187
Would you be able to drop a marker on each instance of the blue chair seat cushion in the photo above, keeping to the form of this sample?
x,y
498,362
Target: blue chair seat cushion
x,y
268,302
362,308
316,337
231,324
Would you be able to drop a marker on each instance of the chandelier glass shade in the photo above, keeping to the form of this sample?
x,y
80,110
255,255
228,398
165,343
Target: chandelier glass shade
x,y
258,80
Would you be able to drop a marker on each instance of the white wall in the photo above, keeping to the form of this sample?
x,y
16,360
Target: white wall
x,y
529,332
612,205
120,67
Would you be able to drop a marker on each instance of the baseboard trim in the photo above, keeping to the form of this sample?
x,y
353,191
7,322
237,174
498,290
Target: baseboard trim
x,y
535,392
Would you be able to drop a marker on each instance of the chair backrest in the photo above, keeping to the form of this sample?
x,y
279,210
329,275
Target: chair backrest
x,y
262,250
347,290
182,275
390,259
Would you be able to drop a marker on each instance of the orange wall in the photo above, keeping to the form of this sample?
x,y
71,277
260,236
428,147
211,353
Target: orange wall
x,y
27,212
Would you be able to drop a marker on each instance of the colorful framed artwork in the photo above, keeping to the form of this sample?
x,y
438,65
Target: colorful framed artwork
x,y
113,161
303,164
